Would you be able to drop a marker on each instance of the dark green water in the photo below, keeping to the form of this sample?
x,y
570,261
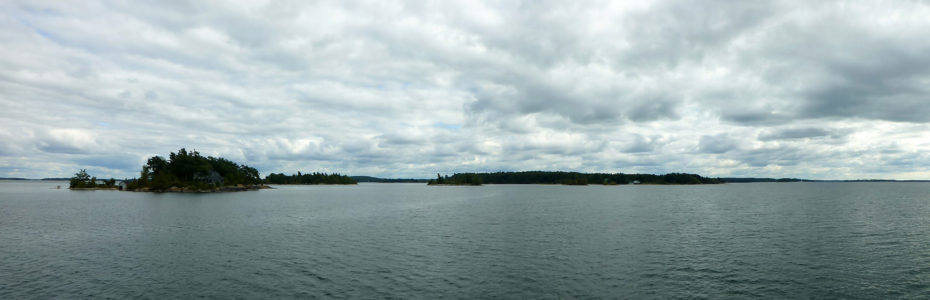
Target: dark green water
x,y
789,240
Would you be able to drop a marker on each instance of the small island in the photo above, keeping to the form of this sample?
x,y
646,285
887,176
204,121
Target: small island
x,y
191,172
83,181
569,178
184,171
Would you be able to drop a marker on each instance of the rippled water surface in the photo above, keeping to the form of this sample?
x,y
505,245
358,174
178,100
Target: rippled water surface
x,y
786,240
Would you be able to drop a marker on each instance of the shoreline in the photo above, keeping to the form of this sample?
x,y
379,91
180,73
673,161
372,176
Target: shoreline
x,y
311,184
181,190
224,189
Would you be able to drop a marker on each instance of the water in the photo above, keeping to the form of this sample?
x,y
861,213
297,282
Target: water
x,y
786,240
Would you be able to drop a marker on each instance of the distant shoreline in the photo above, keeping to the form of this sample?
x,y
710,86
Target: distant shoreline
x,y
311,184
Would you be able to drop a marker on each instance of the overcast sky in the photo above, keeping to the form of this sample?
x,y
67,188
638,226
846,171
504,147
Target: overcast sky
x,y
810,89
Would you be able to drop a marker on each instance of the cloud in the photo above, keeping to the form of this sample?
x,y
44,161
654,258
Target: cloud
x,y
796,133
717,144
112,162
824,89
640,144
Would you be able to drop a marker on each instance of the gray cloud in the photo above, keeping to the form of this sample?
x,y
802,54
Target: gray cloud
x,y
824,89
717,144
798,133
640,144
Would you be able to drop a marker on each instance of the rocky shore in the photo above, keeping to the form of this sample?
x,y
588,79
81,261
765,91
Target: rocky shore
x,y
112,188
237,188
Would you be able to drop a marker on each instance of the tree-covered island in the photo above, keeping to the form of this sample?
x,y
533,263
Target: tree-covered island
x,y
83,181
188,171
569,178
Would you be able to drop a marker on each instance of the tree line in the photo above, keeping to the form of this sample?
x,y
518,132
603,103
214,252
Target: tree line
x,y
570,178
311,178
387,180
456,179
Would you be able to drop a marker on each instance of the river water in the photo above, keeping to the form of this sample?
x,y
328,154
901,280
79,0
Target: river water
x,y
771,240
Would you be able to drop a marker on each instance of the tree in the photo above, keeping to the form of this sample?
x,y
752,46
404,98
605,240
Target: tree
x,y
80,180
157,164
82,175
145,175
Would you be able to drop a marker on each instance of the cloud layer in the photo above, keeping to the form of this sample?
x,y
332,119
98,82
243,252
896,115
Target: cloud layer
x,y
832,90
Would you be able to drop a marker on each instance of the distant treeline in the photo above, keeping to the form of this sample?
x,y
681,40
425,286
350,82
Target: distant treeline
x,y
750,179
311,178
457,179
570,178
385,180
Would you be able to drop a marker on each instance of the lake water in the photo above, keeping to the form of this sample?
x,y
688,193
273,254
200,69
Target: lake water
x,y
785,240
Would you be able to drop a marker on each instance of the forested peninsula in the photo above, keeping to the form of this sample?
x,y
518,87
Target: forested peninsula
x,y
312,178
569,178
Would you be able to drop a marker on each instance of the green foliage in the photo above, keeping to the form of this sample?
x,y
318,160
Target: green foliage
x,y
570,178
313,178
457,179
82,180
189,169
575,180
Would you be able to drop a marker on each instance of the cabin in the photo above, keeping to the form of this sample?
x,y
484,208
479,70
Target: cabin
x,y
211,177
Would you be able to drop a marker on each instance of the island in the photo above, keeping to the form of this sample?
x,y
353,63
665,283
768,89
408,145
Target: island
x,y
83,181
184,171
569,178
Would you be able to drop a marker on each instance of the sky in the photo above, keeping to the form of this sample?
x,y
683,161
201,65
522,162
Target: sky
x,y
806,89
